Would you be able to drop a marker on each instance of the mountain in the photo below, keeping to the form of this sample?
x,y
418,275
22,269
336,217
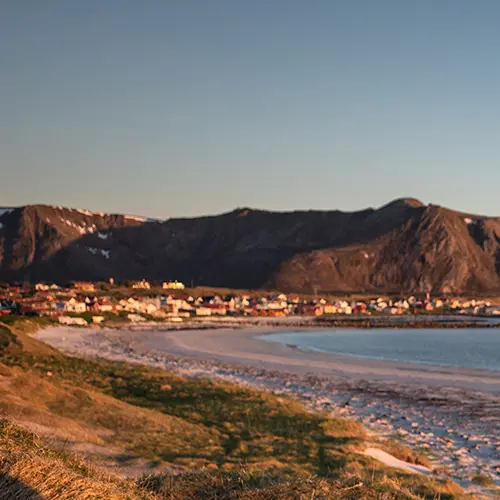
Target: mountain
x,y
403,246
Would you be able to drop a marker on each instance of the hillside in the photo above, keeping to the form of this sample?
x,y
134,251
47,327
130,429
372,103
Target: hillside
x,y
173,437
404,246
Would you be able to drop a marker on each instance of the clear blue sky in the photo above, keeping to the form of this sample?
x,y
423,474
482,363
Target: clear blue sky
x,y
182,107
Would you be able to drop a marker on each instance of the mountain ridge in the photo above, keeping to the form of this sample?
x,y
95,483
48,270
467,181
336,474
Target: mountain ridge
x,y
404,245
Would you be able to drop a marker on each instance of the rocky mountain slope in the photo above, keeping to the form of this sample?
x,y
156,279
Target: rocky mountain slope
x,y
402,246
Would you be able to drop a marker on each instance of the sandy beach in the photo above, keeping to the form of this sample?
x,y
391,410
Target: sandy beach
x,y
453,414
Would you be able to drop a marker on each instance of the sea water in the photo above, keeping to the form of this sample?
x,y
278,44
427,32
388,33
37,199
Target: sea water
x,y
455,347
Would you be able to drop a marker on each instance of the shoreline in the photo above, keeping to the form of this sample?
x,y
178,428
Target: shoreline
x,y
243,346
452,411
413,321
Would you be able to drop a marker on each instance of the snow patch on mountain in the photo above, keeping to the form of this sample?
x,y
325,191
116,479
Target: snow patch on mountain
x,y
84,211
470,221
5,211
85,229
94,251
135,217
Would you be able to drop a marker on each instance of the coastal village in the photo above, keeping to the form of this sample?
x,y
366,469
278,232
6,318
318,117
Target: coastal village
x,y
81,303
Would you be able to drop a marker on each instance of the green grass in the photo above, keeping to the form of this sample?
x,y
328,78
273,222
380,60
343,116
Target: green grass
x,y
252,427
237,442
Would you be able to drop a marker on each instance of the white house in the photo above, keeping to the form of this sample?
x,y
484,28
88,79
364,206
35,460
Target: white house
x,y
67,320
203,311
135,318
75,306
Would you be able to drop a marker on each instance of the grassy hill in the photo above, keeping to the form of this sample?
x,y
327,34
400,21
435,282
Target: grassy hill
x,y
173,437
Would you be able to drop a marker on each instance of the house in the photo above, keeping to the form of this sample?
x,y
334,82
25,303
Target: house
x,y
8,307
42,287
148,307
275,313
172,304
219,309
38,305
90,301
175,319
396,311
104,305
203,311
130,305
84,286
143,284
347,309
75,306
135,318
230,303
276,304
306,310
402,304
169,308
360,307
13,291
159,314
213,299
438,304
67,320
173,285
330,309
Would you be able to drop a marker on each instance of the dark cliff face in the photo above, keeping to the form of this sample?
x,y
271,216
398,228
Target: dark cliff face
x,y
403,246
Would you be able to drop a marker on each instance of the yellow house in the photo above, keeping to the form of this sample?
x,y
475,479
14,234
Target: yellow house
x,y
142,284
330,309
173,285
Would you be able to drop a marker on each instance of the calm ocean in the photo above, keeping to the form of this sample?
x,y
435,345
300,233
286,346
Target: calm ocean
x,y
460,347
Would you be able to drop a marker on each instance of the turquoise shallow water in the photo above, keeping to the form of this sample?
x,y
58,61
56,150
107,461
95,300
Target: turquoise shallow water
x,y
456,347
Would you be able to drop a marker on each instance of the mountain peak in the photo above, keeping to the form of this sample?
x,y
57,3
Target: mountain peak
x,y
404,203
